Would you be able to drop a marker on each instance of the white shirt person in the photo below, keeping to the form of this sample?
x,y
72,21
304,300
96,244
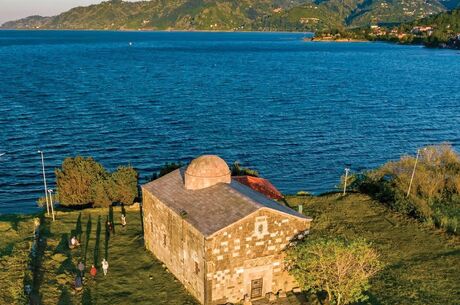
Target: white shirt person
x,y
105,266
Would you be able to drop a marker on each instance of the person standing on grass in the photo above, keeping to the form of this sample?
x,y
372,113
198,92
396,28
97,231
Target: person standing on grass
x,y
81,267
123,220
78,283
109,227
93,271
105,266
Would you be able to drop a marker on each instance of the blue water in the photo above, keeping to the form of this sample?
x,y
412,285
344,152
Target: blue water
x,y
298,112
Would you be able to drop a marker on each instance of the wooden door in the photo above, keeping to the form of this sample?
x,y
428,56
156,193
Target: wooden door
x,y
256,288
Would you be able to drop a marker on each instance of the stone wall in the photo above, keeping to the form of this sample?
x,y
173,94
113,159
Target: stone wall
x,y
176,243
248,250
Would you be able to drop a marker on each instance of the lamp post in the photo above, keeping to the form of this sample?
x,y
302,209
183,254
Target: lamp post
x,y
345,183
51,203
413,172
44,182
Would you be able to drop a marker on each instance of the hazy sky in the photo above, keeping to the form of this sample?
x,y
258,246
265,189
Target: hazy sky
x,y
16,9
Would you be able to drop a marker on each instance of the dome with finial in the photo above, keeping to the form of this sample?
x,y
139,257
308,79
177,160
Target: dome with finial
x,y
206,171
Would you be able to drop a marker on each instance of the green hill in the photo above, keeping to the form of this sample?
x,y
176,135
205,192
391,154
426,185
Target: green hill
x,y
263,15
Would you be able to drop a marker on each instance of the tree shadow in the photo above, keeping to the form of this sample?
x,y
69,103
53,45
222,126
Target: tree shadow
x,y
63,246
97,242
106,244
111,219
87,238
78,227
37,259
66,265
86,297
64,298
141,214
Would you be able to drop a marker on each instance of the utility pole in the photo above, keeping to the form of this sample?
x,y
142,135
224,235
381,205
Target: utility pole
x,y
345,183
51,203
413,172
44,182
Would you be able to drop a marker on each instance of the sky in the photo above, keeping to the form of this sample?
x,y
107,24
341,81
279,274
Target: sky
x,y
16,9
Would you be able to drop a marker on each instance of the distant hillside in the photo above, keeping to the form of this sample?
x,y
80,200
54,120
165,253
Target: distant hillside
x,y
276,15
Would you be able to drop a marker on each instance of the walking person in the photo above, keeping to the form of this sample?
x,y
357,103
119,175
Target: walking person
x,y
105,266
93,271
123,220
78,283
81,267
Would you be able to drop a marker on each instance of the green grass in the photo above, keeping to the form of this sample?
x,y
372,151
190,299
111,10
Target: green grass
x,y
131,266
16,236
421,263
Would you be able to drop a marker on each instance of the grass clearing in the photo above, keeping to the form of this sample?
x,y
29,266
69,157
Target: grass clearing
x,y
134,276
422,263
16,237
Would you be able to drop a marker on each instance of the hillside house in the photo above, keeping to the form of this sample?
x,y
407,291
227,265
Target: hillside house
x,y
223,240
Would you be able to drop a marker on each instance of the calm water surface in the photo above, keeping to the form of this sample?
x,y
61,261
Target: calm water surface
x,y
298,112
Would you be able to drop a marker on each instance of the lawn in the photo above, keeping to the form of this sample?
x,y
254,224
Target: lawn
x,y
422,263
16,237
134,275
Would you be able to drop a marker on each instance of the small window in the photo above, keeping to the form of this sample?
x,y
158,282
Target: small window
x,y
260,229
164,240
197,268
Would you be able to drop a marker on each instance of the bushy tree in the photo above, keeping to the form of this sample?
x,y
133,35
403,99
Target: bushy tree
x,y
83,181
435,189
337,267
77,179
124,181
166,169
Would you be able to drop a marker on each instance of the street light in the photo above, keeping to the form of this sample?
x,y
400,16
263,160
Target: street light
x,y
413,172
345,184
44,182
51,203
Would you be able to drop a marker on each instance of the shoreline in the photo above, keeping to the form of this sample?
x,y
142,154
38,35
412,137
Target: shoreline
x,y
153,31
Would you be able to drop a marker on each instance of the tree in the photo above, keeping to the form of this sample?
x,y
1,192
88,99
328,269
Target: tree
x,y
166,169
83,181
124,181
77,178
338,267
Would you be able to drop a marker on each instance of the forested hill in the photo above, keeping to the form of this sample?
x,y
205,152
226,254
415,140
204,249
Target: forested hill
x,y
275,15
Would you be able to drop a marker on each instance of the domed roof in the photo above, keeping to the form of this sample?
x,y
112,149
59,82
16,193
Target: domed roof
x,y
206,171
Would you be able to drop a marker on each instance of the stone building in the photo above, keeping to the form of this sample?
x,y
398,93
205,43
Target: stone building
x,y
221,239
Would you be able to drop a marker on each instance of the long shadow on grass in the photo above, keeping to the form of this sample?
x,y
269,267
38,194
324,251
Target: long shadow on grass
x,y
106,244
87,238
78,228
97,242
141,213
111,219
64,298
86,297
37,260
63,246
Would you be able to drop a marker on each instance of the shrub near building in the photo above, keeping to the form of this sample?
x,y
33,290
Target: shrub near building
x,y
83,181
434,196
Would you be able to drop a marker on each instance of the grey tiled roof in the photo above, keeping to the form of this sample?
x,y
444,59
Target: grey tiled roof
x,y
214,208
